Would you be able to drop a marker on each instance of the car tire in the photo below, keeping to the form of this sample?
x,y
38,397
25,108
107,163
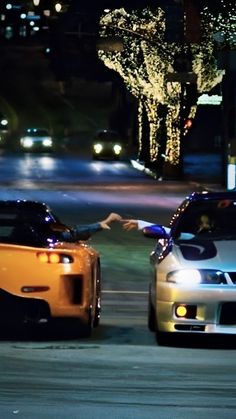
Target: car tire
x,y
162,338
96,320
97,311
86,329
151,316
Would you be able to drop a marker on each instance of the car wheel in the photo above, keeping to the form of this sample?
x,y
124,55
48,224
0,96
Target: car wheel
x,y
97,311
96,320
151,316
162,338
85,330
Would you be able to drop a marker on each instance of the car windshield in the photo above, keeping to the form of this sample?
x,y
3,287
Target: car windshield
x,y
37,133
30,234
108,136
25,228
210,219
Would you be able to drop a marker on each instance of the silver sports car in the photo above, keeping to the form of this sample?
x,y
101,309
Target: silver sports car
x,y
193,285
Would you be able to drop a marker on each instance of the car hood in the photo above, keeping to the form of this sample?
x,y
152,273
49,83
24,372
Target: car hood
x,y
207,253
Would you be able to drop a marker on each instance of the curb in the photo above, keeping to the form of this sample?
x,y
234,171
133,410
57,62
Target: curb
x,y
197,185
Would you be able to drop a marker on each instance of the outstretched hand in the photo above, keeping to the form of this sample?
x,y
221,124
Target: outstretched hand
x,y
130,225
105,224
126,223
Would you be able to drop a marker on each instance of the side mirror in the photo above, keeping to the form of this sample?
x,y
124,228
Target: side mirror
x,y
155,231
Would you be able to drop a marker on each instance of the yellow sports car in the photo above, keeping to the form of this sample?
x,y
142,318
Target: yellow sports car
x,y
46,272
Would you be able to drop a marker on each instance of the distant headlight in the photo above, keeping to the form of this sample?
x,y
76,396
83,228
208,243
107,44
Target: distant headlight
x,y
97,148
117,149
47,142
194,277
4,122
26,142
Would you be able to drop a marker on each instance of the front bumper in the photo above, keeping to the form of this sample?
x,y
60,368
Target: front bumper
x,y
208,310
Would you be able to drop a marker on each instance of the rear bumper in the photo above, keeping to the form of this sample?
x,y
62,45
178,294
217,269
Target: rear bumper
x,y
14,309
22,310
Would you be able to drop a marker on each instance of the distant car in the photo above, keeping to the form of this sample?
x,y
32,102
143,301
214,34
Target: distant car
x,y
36,139
107,145
43,277
193,284
4,123
4,130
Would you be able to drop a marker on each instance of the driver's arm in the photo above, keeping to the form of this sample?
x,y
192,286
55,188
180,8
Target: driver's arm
x,y
85,231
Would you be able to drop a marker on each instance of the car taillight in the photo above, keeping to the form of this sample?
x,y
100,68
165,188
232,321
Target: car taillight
x,y
54,258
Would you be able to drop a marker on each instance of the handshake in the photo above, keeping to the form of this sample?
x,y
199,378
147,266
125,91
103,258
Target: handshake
x,y
126,223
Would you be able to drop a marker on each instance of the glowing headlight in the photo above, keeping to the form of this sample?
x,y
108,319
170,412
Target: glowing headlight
x,y
47,142
4,122
117,149
97,148
194,277
26,142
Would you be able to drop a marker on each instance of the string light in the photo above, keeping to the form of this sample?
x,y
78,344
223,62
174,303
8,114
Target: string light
x,y
146,60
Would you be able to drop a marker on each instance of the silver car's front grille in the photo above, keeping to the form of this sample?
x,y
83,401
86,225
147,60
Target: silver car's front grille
x,y
228,313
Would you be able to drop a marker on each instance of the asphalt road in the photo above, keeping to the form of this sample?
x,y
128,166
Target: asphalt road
x,y
120,372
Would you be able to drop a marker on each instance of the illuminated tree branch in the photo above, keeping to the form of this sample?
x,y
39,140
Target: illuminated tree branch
x,y
145,63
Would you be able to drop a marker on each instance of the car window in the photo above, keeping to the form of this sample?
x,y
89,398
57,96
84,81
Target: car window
x,y
37,133
5,231
31,234
14,232
27,227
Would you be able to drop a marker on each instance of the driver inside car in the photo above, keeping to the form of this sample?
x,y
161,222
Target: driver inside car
x,y
206,224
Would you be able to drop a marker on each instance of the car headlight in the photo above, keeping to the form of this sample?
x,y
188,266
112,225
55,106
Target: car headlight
x,y
97,148
193,277
26,142
47,142
4,122
117,149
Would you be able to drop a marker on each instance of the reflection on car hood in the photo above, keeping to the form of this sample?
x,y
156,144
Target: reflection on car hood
x,y
217,253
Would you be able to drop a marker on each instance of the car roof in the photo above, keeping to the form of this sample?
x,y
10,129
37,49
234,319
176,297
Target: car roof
x,y
23,204
211,195
106,130
28,209
107,133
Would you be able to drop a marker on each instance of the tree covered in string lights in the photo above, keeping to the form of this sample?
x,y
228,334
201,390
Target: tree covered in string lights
x,y
147,65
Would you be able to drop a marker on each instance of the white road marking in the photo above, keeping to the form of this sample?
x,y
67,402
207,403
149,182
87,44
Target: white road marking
x,y
124,292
